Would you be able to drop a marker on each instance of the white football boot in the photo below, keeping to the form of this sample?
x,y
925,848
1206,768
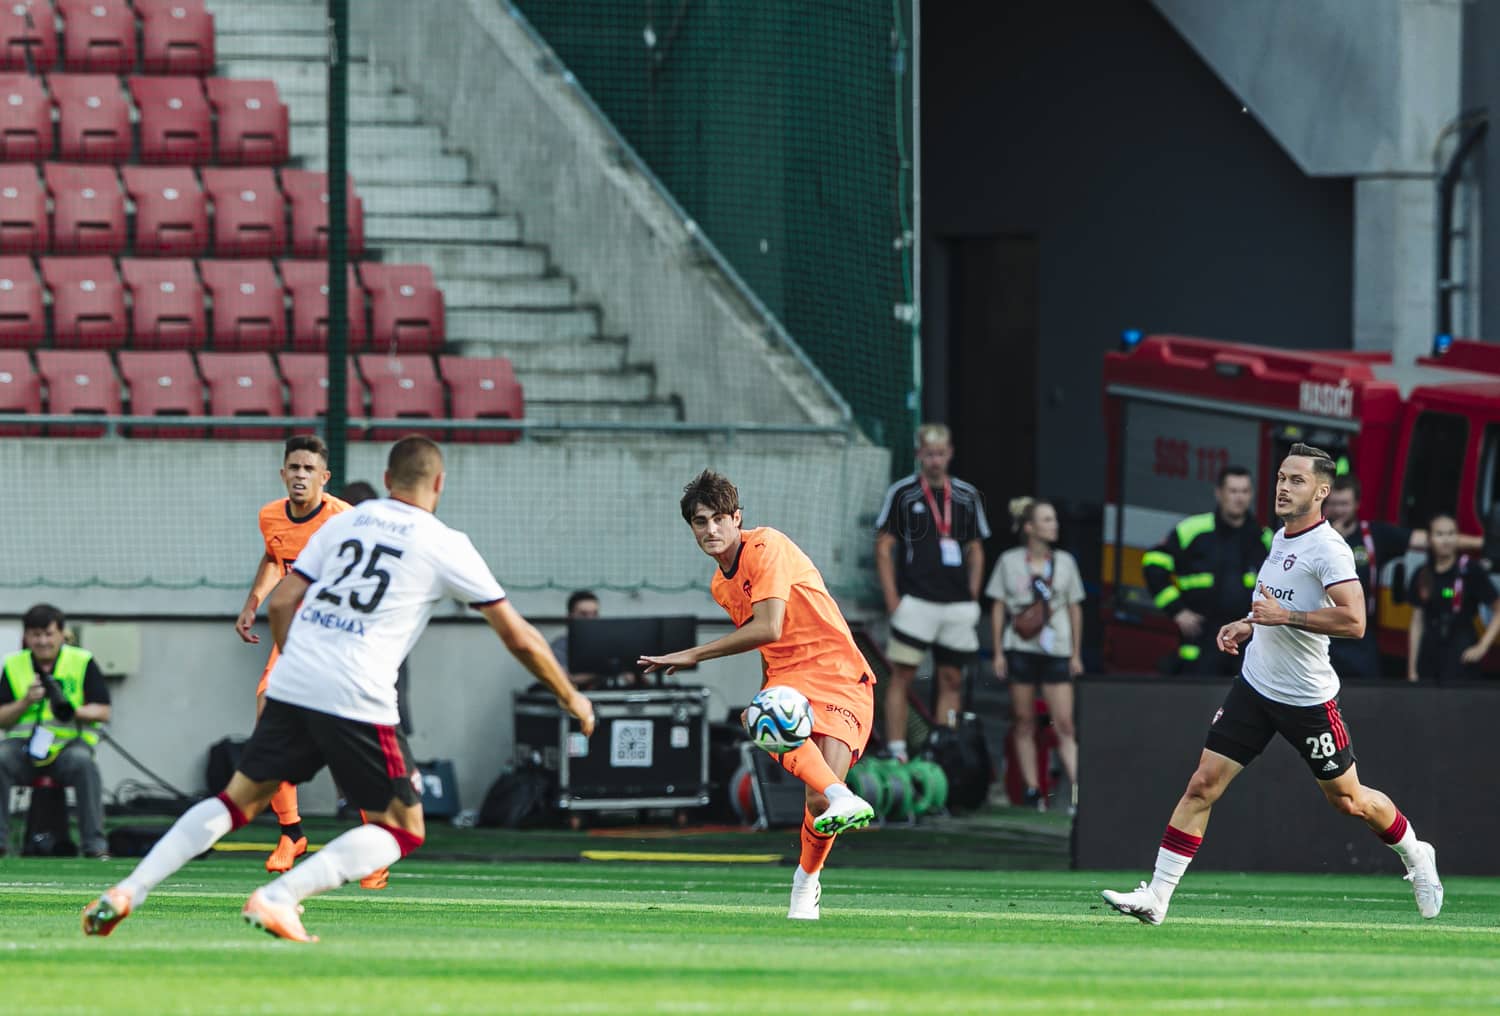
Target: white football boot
x,y
806,892
847,811
1141,904
1423,876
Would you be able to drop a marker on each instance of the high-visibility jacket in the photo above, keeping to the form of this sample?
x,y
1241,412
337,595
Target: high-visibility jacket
x,y
1207,566
69,670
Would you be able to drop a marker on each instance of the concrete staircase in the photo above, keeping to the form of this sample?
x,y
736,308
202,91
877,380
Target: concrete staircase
x,y
504,296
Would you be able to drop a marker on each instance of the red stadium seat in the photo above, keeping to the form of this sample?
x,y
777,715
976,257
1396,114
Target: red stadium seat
x,y
98,35
93,117
401,386
307,192
249,305
176,124
24,225
171,213
23,315
254,126
249,213
20,391
307,282
406,308
177,37
27,25
307,386
25,119
88,209
483,389
168,303
78,381
162,383
88,302
242,384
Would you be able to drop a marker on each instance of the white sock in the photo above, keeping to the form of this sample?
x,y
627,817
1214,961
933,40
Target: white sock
x,y
1170,867
353,855
898,749
836,791
199,828
1405,845
801,878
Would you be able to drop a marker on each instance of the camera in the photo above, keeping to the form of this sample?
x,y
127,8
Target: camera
x,y
61,707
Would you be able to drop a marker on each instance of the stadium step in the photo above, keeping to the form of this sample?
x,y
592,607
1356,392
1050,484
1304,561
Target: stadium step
x,y
380,229
470,261
594,354
660,411
632,385
491,325
268,45
428,199
368,142
311,108
552,292
308,75
417,167
246,18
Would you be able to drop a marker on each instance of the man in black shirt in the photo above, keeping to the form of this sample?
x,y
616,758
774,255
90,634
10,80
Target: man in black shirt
x,y
1445,595
931,565
1374,545
52,699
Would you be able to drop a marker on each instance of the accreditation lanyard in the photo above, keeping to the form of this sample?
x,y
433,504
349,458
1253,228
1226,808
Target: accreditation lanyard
x,y
1458,584
944,522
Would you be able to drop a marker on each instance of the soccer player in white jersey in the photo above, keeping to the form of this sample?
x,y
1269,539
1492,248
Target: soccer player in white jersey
x,y
1308,592
345,617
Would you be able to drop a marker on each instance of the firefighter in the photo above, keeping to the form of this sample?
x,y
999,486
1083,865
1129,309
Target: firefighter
x,y
1202,575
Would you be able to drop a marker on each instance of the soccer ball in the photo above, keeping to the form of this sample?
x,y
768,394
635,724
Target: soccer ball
x,y
779,719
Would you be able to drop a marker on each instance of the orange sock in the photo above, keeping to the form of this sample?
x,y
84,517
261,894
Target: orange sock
x,y
815,846
284,804
808,765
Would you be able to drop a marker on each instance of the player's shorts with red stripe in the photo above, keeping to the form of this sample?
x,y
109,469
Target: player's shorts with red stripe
x,y
370,762
1247,720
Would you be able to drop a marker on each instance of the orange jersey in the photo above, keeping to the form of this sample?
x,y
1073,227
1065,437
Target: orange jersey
x,y
286,535
815,638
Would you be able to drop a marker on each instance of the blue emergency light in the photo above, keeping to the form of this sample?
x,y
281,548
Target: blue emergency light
x,y
1440,343
1130,338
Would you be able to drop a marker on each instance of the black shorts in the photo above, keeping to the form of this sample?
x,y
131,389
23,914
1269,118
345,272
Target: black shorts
x,y
1244,724
1036,668
371,763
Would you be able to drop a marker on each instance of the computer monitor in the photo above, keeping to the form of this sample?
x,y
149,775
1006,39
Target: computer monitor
x,y
611,645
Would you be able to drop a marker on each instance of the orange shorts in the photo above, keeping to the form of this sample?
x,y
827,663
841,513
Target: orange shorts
x,y
265,675
841,708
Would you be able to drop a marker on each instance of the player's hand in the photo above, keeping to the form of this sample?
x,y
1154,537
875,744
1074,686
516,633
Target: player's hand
x,y
1233,635
1268,610
1002,670
582,710
242,626
1189,622
1474,653
1411,675
668,663
1075,666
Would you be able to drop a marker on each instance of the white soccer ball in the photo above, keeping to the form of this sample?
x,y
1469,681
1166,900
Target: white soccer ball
x,y
779,719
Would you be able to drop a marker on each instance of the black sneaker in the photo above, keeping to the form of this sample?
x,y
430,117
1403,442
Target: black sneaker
x,y
1034,799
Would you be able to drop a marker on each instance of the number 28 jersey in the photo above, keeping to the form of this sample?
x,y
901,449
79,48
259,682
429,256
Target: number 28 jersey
x,y
376,573
1286,664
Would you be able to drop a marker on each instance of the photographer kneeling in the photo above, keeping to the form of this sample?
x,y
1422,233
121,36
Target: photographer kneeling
x,y
52,700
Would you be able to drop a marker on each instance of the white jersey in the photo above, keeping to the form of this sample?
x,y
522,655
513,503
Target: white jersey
x,y
376,572
1286,664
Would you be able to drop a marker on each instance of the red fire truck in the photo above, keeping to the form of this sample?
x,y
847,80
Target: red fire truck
x,y
1421,437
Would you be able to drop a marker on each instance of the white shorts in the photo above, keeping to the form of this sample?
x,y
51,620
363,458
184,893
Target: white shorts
x,y
949,630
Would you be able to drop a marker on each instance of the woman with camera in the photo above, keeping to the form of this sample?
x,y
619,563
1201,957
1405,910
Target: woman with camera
x,y
1037,621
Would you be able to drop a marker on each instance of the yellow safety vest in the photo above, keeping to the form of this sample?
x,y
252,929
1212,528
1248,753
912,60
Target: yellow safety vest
x,y
72,664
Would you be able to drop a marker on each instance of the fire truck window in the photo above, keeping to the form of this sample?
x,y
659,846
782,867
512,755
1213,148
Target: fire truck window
x,y
1434,467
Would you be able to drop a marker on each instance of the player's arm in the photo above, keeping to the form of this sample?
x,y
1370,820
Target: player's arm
x,y
266,574
527,646
282,606
1344,620
885,568
764,627
974,561
1414,642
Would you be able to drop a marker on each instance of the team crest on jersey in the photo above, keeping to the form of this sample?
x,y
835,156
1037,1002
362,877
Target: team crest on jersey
x,y
746,587
1286,565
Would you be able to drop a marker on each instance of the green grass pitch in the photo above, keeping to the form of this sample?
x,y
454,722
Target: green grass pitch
x,y
609,937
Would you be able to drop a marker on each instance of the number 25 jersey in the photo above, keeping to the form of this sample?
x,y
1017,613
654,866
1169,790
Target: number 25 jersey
x,y
376,572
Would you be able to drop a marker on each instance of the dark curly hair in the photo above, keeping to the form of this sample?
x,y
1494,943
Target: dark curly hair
x,y
713,492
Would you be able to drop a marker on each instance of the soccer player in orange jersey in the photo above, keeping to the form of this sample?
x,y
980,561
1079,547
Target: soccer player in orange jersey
x,y
779,605
286,524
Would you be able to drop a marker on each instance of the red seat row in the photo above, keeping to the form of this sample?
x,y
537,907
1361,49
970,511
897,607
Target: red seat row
x,y
233,122
171,211
176,36
176,383
168,309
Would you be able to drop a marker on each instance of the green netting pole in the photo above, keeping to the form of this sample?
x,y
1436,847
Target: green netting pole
x,y
337,419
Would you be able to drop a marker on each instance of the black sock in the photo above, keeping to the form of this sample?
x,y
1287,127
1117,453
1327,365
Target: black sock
x,y
294,831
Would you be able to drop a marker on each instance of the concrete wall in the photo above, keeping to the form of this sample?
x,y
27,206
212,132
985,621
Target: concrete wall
x,y
197,685
502,99
1156,203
